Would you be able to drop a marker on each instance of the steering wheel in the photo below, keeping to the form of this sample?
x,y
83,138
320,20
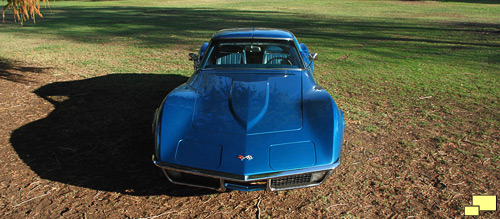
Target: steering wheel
x,y
275,58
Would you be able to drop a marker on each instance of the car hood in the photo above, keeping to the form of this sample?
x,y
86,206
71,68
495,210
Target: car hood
x,y
246,102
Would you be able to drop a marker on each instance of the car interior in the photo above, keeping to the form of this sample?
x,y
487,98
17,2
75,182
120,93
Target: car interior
x,y
262,55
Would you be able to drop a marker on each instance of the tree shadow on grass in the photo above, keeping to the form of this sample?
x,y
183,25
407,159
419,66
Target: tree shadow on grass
x,y
16,72
99,134
162,27
388,39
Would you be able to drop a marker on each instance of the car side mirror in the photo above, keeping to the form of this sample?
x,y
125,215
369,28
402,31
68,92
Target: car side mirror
x,y
313,57
193,56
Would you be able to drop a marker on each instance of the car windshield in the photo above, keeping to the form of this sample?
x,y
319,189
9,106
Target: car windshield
x,y
252,53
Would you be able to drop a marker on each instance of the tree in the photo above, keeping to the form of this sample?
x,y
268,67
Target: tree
x,y
24,9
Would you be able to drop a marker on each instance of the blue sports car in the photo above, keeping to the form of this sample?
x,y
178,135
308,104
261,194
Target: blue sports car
x,y
251,117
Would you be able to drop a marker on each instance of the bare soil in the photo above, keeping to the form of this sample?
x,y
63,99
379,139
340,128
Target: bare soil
x,y
81,148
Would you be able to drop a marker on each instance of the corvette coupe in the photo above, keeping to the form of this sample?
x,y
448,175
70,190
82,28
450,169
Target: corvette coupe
x,y
251,117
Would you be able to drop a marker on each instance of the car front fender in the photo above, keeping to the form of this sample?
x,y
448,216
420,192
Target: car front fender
x,y
173,120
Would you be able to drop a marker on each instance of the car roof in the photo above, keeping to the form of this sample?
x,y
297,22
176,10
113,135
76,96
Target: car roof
x,y
253,33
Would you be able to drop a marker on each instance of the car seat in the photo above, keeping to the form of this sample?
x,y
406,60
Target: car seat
x,y
274,53
231,55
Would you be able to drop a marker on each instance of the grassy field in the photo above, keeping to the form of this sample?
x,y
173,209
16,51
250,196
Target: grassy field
x,y
419,83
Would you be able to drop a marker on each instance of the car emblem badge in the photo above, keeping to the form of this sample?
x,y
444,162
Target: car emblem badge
x,y
248,157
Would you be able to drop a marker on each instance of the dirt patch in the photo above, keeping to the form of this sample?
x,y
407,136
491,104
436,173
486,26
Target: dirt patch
x,y
80,148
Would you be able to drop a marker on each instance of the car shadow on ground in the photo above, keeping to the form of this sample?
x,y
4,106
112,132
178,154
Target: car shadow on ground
x,y
99,134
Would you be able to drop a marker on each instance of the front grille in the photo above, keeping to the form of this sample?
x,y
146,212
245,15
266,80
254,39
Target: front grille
x,y
194,180
289,181
220,184
200,180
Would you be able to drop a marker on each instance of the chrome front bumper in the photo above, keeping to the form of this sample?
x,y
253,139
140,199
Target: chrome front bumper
x,y
219,181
